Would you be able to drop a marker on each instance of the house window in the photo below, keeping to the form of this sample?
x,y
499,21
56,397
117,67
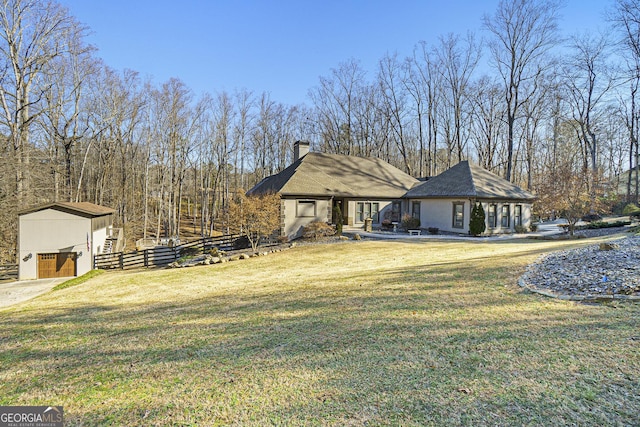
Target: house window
x,y
517,215
306,208
415,210
491,216
458,215
395,212
505,221
367,210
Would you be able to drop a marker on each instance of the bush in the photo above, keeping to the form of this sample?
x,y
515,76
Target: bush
x,y
534,227
241,242
602,224
631,210
433,230
316,230
591,218
409,222
337,213
477,223
520,229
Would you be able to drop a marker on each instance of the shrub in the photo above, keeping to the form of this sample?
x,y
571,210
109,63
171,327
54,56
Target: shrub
x,y
631,210
603,224
337,213
241,242
189,252
409,222
477,223
591,218
433,230
520,229
315,230
534,227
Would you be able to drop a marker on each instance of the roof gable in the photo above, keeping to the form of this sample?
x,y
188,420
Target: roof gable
x,y
466,180
326,175
85,209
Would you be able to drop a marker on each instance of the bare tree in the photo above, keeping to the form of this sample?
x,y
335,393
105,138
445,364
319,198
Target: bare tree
x,y
394,107
523,32
335,100
428,69
32,35
64,118
488,120
626,16
459,59
588,84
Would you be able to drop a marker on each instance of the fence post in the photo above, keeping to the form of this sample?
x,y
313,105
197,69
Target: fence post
x,y
121,260
146,257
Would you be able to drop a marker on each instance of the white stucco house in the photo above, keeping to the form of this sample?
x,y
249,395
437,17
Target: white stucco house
x,y
60,239
445,201
315,183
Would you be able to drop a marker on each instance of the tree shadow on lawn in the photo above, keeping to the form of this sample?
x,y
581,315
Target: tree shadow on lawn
x,y
410,337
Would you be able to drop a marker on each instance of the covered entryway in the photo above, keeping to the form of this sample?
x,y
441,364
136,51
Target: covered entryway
x,y
61,264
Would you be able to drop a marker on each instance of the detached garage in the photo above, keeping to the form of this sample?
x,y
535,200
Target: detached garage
x,y
60,239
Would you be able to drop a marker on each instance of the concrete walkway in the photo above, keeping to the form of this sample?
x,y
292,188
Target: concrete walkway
x,y
12,293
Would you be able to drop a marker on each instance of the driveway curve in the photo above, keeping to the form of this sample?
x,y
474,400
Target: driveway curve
x,y
16,292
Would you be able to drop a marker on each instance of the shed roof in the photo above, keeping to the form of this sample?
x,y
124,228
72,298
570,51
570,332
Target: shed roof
x,y
85,209
467,180
327,175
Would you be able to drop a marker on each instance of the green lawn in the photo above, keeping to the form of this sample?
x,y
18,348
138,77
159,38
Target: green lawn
x,y
359,333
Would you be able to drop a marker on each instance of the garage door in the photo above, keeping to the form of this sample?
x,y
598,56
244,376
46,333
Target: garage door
x,y
56,265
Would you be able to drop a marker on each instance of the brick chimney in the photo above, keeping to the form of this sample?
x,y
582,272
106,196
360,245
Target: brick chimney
x,y
300,149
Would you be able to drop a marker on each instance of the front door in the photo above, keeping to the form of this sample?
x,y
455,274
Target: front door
x,y
56,265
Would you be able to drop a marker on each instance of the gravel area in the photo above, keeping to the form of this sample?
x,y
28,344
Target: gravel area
x,y
591,272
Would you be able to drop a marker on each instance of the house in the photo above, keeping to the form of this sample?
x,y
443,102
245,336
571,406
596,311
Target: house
x,y
623,180
60,239
316,183
445,201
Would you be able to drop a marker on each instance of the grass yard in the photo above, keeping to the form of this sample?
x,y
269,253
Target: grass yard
x,y
407,333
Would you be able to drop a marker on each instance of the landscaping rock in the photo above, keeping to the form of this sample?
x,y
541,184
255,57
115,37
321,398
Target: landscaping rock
x,y
234,257
357,237
245,256
590,271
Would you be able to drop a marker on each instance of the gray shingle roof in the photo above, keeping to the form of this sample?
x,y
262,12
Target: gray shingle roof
x,y
326,175
469,181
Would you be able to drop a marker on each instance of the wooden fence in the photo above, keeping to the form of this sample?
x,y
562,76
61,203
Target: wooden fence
x,y
9,272
163,255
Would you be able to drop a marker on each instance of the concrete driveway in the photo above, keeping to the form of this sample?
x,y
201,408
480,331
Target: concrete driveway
x,y
12,293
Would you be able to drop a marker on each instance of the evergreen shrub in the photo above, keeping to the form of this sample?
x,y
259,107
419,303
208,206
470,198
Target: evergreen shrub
x,y
477,222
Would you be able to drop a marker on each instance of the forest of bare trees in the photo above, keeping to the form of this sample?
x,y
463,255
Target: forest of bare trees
x,y
516,99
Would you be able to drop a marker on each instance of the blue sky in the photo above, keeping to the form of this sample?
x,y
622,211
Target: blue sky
x,y
279,47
